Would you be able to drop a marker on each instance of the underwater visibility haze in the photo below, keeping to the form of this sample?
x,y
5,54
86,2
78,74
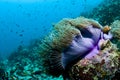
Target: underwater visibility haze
x,y
24,20
59,39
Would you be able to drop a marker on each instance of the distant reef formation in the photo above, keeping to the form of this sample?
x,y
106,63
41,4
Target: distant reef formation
x,y
107,12
82,49
116,32
24,64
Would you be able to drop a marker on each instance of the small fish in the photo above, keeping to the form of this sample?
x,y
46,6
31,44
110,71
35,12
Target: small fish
x,y
16,32
17,25
22,31
106,29
20,35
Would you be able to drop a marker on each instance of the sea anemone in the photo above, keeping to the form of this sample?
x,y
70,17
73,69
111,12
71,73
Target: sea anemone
x,y
76,46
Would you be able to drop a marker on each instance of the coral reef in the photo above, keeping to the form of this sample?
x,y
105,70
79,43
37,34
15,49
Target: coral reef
x,y
3,73
80,49
24,64
102,66
75,49
116,32
59,39
106,12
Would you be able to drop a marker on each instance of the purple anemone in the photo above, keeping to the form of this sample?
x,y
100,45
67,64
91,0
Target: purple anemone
x,y
84,45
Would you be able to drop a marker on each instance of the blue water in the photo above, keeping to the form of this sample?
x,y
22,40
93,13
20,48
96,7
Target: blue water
x,y
24,20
